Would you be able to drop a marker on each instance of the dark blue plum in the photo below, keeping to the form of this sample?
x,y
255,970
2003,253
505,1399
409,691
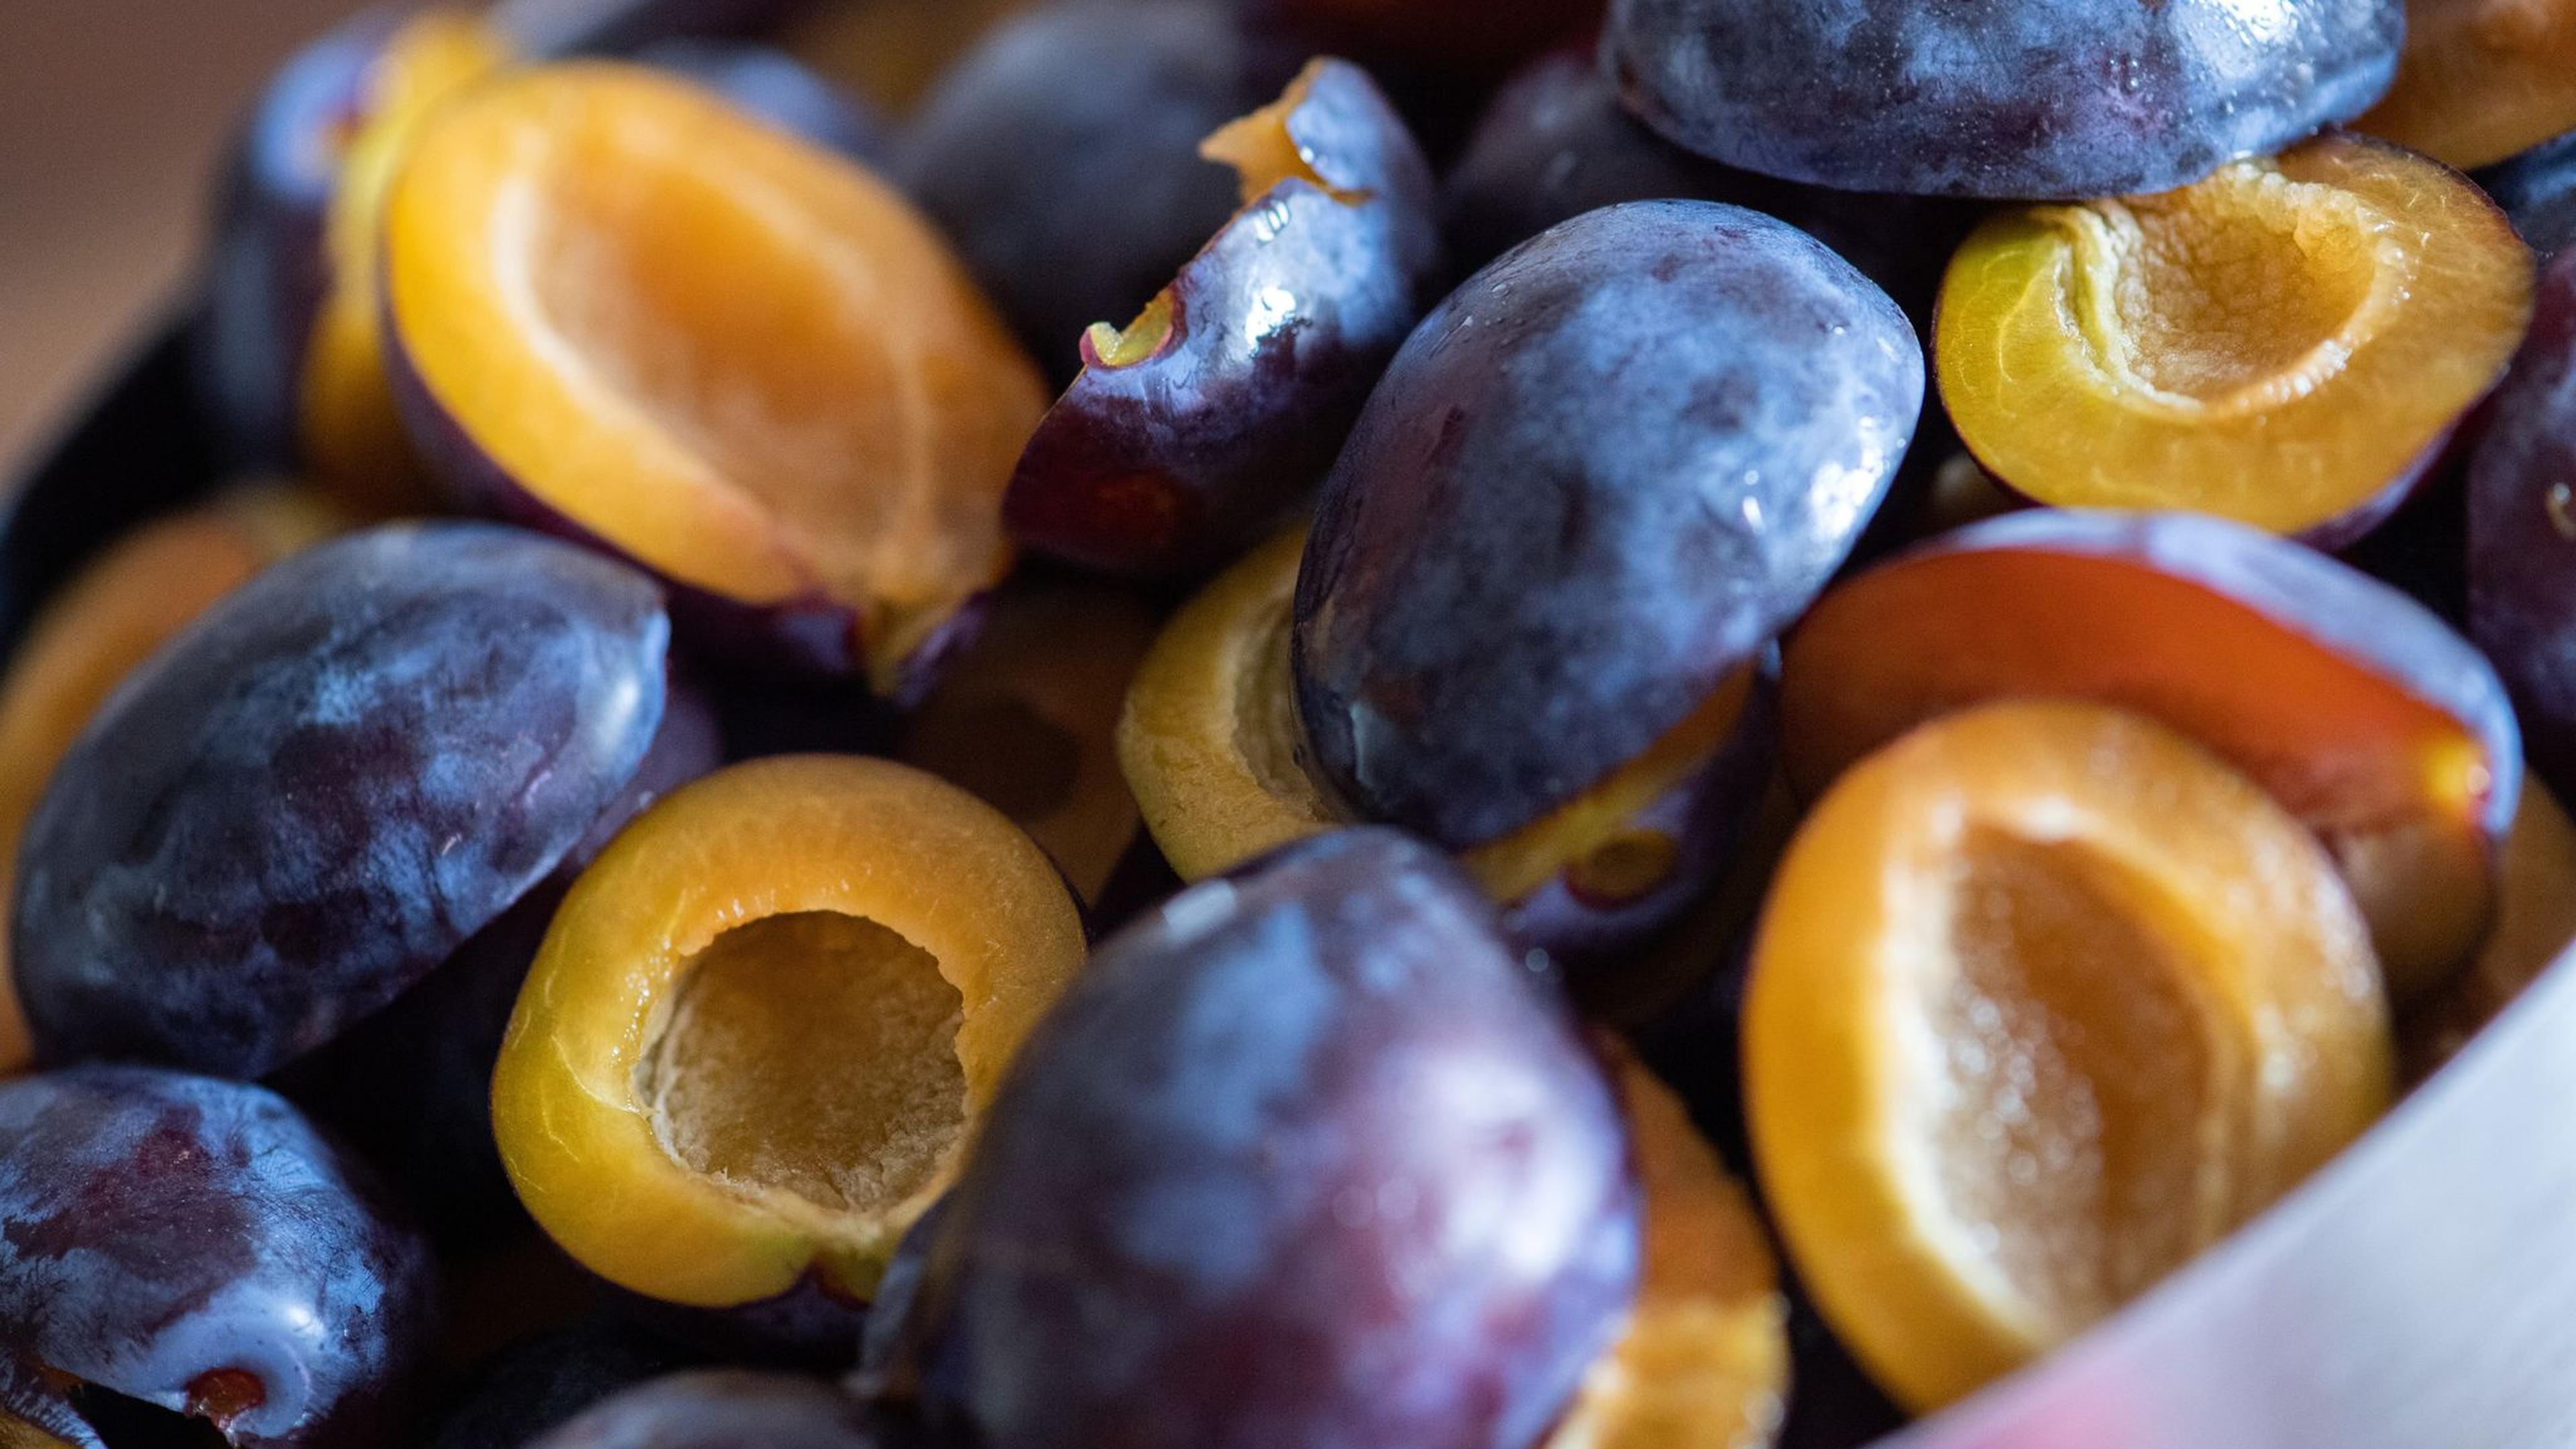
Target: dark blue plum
x,y
195,1245
1307,1157
774,86
724,1409
538,1383
2537,190
2522,532
2023,98
1555,143
1061,155
1596,481
322,788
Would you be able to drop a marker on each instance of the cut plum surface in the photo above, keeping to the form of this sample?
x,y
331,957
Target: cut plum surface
x,y
2364,715
764,1021
1192,431
2535,924
2287,343
628,313
2045,1001
2480,79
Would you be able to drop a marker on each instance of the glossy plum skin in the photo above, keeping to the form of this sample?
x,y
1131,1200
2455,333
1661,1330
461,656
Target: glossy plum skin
x,y
1555,143
194,1244
2522,532
1279,327
1307,1157
1061,157
723,1409
1597,479
2537,189
534,1385
314,795
2028,98
773,85
266,271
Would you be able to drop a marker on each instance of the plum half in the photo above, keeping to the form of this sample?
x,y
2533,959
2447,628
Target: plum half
x,y
2027,98
765,1022
2480,80
1595,483
318,791
2046,999
2365,716
625,313
195,1245
1308,1156
1194,429
2288,343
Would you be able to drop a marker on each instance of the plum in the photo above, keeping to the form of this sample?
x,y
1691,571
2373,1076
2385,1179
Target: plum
x,y
315,794
723,1409
1593,485
1467,37
2537,190
1192,431
2480,80
772,85
194,1244
538,1382
1309,1156
1061,156
2029,98
2522,532
1555,142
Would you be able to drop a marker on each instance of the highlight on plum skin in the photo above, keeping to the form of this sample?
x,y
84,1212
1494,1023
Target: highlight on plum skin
x,y
1194,429
2045,1001
766,1021
193,1244
2288,343
1430,1236
2367,717
805,430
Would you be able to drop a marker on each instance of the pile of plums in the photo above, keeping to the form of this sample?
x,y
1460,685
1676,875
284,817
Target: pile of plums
x,y
1270,724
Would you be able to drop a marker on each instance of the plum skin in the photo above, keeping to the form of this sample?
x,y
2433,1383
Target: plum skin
x,y
2032,98
315,794
1598,478
1308,1156
1279,327
722,1409
2537,190
2522,531
1061,157
531,1386
163,1227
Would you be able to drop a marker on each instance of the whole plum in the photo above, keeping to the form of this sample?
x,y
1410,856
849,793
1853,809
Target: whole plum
x,y
1595,482
195,1245
1309,1156
2027,98
2522,532
315,794
723,1409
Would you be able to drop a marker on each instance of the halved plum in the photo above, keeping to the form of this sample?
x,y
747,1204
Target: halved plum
x,y
2535,923
2288,343
2046,1000
2522,532
125,604
1194,430
1211,746
1027,721
2480,80
625,313
766,1022
2364,715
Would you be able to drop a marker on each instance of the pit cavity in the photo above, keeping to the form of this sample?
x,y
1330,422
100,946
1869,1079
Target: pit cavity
x,y
2236,295
2073,1118
814,1055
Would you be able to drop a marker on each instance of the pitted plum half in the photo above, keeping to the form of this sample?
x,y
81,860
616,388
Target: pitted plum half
x,y
2046,1000
1211,747
766,1021
195,1245
2288,343
626,313
1197,427
1307,1156
110,618
2363,714
1595,483
2480,80
313,795
2009,98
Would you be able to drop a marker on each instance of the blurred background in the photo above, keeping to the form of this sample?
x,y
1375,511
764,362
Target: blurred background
x,y
112,114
